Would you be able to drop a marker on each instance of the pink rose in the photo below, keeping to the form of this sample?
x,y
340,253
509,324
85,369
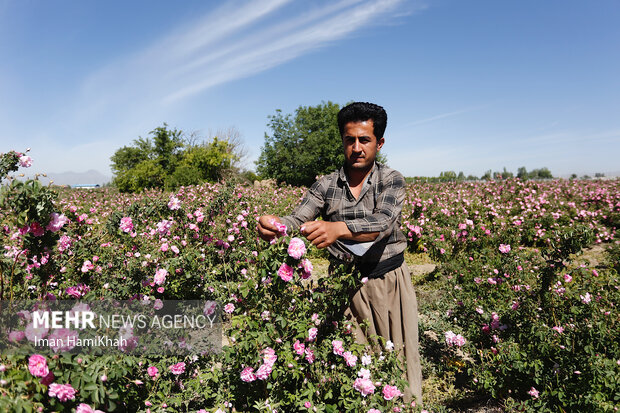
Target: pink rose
x,y
174,203
269,356
152,371
504,248
63,338
178,368
160,276
338,349
312,332
263,372
296,248
57,221
280,227
87,266
16,336
247,375
62,392
229,308
37,365
299,348
126,224
454,339
85,408
390,392
25,161
209,308
364,386
350,359
285,272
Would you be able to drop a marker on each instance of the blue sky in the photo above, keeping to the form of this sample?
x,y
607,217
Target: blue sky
x,y
468,85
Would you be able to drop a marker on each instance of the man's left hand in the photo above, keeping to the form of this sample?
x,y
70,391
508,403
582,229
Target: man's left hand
x,y
322,234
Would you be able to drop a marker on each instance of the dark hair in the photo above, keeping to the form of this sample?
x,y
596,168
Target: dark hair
x,y
361,111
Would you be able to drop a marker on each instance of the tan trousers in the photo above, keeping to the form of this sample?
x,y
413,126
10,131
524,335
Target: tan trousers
x,y
389,303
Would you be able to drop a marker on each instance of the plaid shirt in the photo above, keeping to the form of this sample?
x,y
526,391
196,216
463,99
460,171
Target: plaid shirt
x,y
377,209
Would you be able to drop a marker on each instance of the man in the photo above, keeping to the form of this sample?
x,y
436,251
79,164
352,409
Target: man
x,y
361,209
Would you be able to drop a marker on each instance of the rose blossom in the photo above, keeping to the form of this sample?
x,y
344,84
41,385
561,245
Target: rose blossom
x,y
126,224
350,358
299,348
152,371
25,161
390,392
178,368
312,332
85,408
174,203
160,276
366,360
33,334
364,373
247,374
63,339
37,365
296,248
263,372
338,349
364,386
504,248
285,272
16,336
269,356
62,392
57,221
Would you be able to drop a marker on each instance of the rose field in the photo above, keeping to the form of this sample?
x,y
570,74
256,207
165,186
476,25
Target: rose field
x,y
518,302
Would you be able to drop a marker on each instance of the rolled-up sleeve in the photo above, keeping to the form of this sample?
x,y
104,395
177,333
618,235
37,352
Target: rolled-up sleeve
x,y
309,208
387,210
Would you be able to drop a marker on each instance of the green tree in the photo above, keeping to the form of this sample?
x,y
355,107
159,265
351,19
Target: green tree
x,y
167,146
169,160
207,162
303,145
129,157
522,173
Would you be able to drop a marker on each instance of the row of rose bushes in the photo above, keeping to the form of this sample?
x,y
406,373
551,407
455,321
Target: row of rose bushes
x,y
200,243
542,331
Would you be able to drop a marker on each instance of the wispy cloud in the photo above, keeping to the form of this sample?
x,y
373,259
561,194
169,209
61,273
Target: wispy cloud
x,y
236,41
444,115
131,93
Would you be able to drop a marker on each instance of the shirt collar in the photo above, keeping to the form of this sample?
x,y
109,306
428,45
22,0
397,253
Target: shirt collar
x,y
342,175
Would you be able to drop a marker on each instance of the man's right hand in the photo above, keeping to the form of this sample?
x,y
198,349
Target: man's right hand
x,y
266,229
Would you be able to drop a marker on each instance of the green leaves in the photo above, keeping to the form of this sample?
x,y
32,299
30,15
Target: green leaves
x,y
302,146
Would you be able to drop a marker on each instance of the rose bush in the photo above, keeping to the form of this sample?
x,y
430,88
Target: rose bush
x,y
521,322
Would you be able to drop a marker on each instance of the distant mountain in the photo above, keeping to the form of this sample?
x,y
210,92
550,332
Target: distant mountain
x,y
91,177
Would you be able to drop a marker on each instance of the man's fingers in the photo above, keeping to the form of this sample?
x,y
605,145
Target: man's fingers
x,y
267,222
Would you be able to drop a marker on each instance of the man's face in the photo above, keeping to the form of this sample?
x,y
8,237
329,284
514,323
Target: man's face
x,y
360,145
